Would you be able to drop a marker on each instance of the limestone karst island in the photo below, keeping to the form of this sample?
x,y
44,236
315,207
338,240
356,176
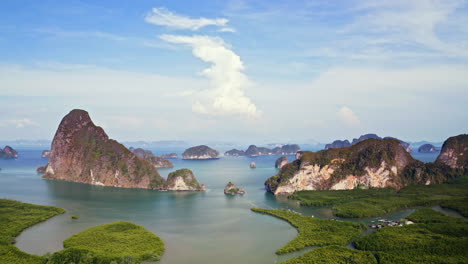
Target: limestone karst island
x,y
239,131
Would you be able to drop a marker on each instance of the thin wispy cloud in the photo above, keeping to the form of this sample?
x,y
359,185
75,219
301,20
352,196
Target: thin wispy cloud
x,y
164,17
57,32
227,96
348,117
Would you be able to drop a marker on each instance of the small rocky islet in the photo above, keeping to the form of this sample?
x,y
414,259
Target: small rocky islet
x,y
232,189
253,150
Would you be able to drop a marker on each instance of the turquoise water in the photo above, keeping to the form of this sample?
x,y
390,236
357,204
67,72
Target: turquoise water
x,y
197,227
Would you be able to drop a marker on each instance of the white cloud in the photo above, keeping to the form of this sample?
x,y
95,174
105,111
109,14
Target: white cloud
x,y
19,123
227,97
164,17
349,117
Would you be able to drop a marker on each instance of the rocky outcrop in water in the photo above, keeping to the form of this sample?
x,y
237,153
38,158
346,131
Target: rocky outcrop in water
x,y
183,180
377,163
427,148
8,153
231,189
281,161
82,152
45,154
158,162
170,156
200,152
253,165
252,150
454,153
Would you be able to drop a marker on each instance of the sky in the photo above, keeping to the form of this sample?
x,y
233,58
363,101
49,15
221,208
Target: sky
x,y
236,71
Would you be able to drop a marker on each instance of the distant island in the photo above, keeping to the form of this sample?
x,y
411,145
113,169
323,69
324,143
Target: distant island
x,y
378,163
200,152
253,150
346,143
170,156
158,162
427,148
8,153
82,152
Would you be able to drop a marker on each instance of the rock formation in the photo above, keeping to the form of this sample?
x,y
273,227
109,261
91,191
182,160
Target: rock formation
x,y
253,151
45,154
299,154
253,165
281,161
378,163
427,148
170,156
200,152
183,180
234,152
8,153
82,152
454,153
158,162
231,189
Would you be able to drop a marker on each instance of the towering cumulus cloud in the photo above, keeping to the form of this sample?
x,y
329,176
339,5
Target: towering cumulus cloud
x,y
227,96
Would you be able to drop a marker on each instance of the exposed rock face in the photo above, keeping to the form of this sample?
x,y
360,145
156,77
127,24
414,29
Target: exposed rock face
x,y
253,165
170,156
158,162
253,150
231,189
338,144
299,154
427,148
8,153
234,152
371,163
454,153
200,152
404,144
45,154
183,180
82,152
281,161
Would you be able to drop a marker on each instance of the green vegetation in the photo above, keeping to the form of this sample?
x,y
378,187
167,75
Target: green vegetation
x,y
334,254
373,202
119,242
313,231
15,217
188,177
74,217
435,238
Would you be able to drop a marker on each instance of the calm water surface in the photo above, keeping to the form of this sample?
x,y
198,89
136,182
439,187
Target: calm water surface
x,y
197,227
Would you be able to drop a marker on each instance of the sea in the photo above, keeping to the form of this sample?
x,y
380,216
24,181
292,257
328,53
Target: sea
x,y
197,227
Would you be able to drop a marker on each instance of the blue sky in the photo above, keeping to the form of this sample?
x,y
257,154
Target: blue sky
x,y
243,71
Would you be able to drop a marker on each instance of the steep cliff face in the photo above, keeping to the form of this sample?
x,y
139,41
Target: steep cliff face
x,y
45,154
454,152
158,162
281,161
370,163
183,180
8,153
82,152
200,152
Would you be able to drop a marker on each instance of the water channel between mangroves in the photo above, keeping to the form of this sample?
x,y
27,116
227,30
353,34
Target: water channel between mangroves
x,y
197,227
